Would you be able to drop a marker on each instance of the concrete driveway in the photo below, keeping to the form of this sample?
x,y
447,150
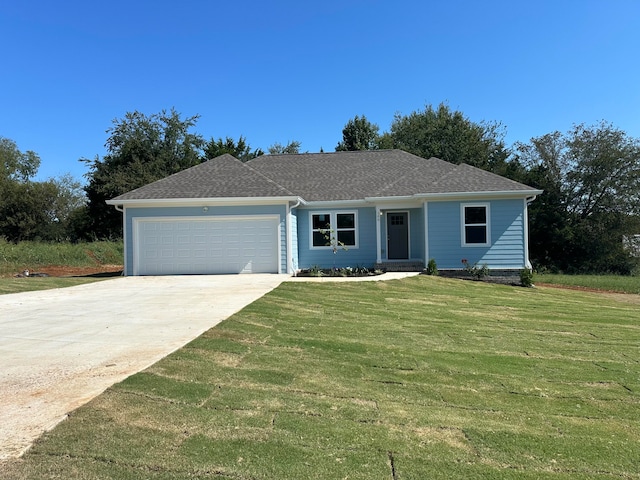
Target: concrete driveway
x,y
61,348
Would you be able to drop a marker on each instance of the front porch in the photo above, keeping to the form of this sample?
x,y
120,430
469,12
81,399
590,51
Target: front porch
x,y
400,266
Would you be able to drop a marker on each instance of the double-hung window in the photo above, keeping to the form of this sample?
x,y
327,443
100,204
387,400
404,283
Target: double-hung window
x,y
475,225
331,229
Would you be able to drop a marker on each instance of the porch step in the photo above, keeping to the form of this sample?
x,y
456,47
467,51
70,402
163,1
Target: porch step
x,y
412,266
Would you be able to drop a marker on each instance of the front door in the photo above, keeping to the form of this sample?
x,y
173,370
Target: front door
x,y
397,235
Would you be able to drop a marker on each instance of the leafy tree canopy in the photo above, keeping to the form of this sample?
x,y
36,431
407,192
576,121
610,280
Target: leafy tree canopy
x,y
359,134
292,147
448,135
141,149
591,179
31,210
240,149
17,165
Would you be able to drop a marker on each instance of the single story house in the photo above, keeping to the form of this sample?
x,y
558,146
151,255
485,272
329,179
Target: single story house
x,y
285,213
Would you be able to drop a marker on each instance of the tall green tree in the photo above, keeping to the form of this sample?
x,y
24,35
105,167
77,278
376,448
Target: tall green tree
x,y
240,149
591,178
359,134
17,165
140,149
26,210
29,210
448,135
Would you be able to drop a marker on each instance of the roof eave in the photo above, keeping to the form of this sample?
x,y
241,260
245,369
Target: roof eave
x,y
484,195
199,202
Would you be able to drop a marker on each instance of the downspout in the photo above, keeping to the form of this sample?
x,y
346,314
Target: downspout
x,y
290,264
425,207
120,208
378,233
527,201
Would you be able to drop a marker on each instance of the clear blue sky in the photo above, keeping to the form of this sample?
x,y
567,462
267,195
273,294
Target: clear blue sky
x,y
299,70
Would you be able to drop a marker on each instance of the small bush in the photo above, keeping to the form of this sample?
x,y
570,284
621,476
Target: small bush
x,y
477,272
526,277
432,267
315,271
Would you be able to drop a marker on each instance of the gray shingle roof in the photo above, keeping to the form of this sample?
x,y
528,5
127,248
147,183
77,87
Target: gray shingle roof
x,y
325,177
222,177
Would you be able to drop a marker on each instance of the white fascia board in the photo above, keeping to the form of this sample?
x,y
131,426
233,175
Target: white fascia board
x,y
490,195
337,204
457,196
199,202
397,198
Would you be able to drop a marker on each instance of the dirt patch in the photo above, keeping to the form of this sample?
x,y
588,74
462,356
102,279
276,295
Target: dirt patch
x,y
574,287
619,296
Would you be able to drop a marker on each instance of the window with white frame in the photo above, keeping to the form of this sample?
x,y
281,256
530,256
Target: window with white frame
x,y
329,229
475,225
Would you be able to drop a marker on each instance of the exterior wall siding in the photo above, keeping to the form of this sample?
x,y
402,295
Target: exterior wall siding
x,y
506,249
131,213
364,255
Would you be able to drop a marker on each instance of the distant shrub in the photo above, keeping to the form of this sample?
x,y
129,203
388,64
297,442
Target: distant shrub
x,y
432,267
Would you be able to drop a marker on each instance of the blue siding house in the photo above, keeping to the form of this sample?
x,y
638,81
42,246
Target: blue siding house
x,y
286,213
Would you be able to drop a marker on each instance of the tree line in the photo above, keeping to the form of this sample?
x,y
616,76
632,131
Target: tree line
x,y
590,176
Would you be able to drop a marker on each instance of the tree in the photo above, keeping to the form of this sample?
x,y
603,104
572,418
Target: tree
x,y
448,135
15,164
241,150
32,210
27,211
292,147
591,178
141,149
359,134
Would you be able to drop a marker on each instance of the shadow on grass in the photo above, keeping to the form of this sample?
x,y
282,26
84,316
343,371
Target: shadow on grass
x,y
117,273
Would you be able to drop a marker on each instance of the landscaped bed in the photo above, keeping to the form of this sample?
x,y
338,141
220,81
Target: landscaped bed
x,y
421,378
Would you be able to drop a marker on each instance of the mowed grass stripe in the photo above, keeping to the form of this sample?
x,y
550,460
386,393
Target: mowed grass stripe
x,y
421,378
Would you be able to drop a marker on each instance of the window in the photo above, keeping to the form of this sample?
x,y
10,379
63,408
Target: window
x,y
328,228
475,228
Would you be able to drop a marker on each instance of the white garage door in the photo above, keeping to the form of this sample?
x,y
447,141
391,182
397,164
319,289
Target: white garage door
x,y
205,245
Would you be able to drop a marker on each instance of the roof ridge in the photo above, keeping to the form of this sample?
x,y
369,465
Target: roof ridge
x,y
265,177
416,167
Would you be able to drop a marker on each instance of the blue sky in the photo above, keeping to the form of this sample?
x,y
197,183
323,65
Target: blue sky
x,y
299,70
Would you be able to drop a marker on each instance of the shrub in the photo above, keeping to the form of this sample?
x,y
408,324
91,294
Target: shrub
x,y
477,272
526,277
432,267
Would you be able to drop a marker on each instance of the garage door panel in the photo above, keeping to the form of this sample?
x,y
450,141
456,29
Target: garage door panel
x,y
207,246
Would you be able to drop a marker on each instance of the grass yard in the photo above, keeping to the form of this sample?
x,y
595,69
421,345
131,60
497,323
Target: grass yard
x,y
613,283
17,285
424,378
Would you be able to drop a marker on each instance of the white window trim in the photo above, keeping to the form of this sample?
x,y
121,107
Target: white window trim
x,y
333,219
463,237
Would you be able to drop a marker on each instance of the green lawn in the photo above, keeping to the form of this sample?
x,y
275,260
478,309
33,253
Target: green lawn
x,y
17,285
614,283
424,378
